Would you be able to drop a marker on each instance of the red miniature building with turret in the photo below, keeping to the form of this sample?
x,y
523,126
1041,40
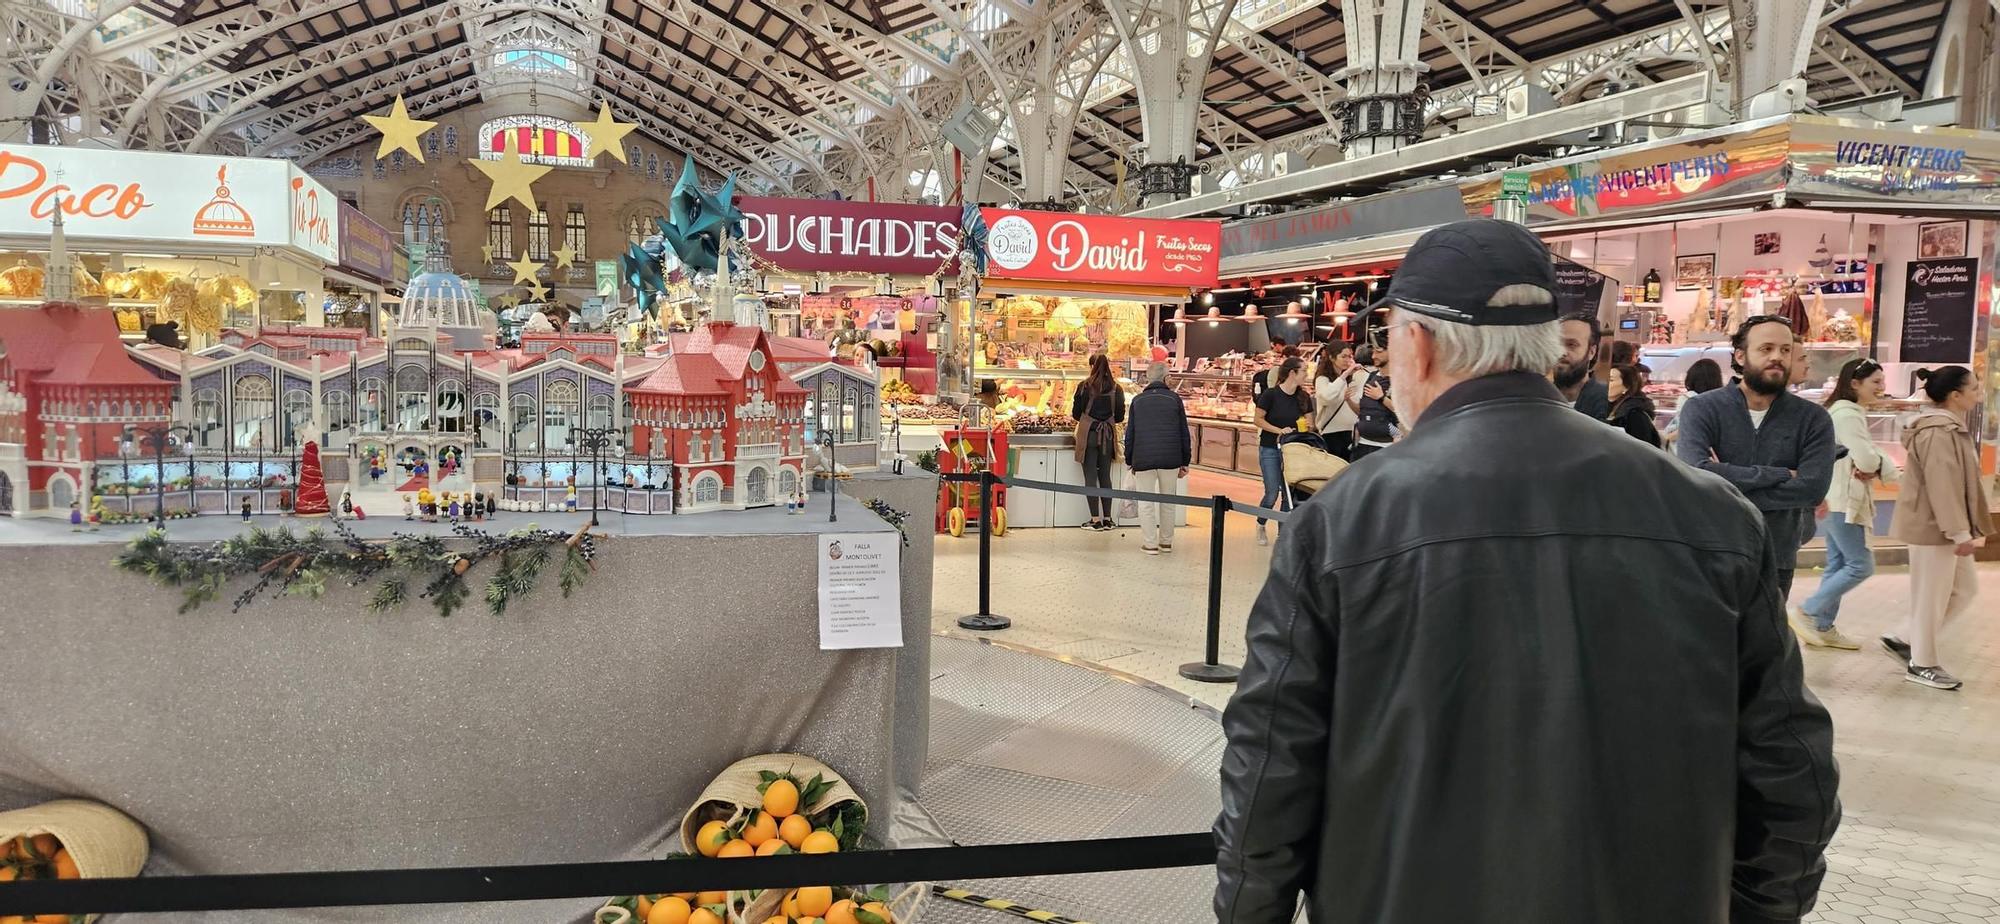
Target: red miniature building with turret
x,y
729,419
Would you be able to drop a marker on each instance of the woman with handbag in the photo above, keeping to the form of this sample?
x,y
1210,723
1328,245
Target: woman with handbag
x,y
1334,382
1099,407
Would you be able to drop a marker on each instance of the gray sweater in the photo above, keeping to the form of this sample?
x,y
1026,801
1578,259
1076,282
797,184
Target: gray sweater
x,y
1797,435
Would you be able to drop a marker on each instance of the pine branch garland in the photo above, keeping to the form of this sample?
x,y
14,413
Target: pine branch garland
x,y
300,564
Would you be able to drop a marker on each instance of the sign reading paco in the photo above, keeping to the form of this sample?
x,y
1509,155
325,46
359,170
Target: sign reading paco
x,y
1102,249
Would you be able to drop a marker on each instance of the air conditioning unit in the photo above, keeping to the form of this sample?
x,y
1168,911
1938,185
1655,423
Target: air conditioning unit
x,y
1524,101
1200,185
1286,163
1682,121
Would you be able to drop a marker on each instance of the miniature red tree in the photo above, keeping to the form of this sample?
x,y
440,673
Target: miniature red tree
x,y
311,501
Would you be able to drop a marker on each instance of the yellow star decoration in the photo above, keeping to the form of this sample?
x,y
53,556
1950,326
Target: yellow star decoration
x,y
541,292
486,253
607,136
512,179
525,270
565,256
399,131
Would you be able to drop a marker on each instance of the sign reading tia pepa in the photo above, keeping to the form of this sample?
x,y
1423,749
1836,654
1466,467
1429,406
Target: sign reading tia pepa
x,y
1103,249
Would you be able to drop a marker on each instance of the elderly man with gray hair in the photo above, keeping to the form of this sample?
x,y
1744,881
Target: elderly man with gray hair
x,y
1158,448
1518,666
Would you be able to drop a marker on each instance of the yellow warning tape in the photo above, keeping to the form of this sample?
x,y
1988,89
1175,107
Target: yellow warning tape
x,y
1001,904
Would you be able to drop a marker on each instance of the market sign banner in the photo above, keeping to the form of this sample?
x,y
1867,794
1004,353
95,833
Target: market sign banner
x,y
1939,297
1837,159
143,196
1357,219
1651,179
315,216
823,235
365,246
1103,249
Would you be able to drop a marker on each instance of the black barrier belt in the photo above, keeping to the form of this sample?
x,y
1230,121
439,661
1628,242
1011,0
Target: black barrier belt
x,y
599,880
1120,494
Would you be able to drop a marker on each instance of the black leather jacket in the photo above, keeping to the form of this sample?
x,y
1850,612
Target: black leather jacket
x,y
1523,669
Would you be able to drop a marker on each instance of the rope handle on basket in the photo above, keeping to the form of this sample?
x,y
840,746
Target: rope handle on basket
x,y
617,915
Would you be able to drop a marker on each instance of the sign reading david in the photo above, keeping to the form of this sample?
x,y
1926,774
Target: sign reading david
x,y
1103,249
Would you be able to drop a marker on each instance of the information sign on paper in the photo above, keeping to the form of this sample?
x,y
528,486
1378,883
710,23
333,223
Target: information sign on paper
x,y
860,591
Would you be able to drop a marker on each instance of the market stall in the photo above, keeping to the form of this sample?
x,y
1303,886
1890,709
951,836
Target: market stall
x,y
1060,287
368,269
204,242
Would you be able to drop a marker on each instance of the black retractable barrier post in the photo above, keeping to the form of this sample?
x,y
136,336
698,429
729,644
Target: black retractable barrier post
x,y
1212,670
985,620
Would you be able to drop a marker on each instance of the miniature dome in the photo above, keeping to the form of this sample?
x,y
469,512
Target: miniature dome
x,y
438,299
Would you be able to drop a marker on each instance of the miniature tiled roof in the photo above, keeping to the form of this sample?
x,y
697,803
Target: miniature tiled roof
x,y
62,344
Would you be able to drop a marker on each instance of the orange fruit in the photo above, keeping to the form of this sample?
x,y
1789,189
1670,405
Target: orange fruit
x,y
842,912
780,919
669,910
794,830
712,898
645,905
762,828
821,841
683,896
812,921
772,847
66,865
736,848
815,900
9,872
711,837
46,845
781,798
881,911
704,916
790,906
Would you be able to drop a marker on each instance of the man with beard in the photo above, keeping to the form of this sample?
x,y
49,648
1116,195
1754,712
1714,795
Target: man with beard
x,y
1774,446
1580,339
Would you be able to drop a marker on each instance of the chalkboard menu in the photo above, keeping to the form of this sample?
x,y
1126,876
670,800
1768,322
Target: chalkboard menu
x,y
1579,289
1939,297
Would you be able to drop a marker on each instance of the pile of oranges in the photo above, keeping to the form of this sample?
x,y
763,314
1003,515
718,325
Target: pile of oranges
x,y
777,827
38,856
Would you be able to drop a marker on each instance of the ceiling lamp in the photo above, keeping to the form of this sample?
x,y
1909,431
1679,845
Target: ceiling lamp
x,y
1214,315
1251,314
1180,317
1295,312
1338,306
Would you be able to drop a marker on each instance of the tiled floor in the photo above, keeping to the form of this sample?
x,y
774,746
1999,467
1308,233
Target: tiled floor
x,y
1921,769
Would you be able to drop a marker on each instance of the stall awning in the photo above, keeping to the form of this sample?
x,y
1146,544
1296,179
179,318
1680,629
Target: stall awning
x,y
1163,294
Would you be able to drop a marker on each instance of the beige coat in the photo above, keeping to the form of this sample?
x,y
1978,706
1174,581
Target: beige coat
x,y
1941,501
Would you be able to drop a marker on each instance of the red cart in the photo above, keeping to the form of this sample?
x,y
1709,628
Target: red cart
x,y
969,450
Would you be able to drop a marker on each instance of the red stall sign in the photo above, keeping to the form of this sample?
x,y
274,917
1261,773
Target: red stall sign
x,y
1104,249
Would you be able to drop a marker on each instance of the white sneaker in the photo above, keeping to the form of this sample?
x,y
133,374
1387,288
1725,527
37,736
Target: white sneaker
x,y
1833,639
1263,538
1803,628
1150,549
1933,677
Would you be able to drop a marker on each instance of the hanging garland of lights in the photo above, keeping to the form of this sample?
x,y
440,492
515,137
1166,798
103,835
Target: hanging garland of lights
x,y
299,565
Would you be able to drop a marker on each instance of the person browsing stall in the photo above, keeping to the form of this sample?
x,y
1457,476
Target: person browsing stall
x,y
1631,409
1374,408
1450,711
1278,412
1944,515
1581,339
1774,446
1336,380
1099,407
1158,448
1850,504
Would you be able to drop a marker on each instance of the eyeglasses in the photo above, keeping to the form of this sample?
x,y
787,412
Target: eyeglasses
x,y
1757,319
1866,368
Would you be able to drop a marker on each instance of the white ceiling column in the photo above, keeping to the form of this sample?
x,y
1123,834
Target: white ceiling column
x,y
1772,43
1172,43
1382,111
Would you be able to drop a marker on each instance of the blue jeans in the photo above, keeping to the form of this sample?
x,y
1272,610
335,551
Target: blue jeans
x,y
1848,562
1272,463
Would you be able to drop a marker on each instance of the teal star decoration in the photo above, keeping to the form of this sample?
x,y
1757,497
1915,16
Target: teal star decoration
x,y
697,219
642,272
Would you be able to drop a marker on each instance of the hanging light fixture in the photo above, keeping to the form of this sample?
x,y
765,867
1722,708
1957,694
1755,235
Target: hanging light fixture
x,y
1214,315
1251,315
1180,317
1295,312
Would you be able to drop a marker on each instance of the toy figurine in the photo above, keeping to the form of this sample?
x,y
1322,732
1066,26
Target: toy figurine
x,y
478,505
426,505
569,499
246,510
452,508
346,504
492,507
409,508
75,518
97,512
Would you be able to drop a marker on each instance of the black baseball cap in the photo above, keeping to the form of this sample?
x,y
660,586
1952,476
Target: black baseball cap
x,y
1453,271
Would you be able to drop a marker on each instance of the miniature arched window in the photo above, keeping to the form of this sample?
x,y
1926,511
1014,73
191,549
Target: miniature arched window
x,y
451,406
413,398
850,415
561,407
525,433
339,419
370,405
708,489
207,417
788,482
298,417
715,446
252,412
485,418
757,487
600,411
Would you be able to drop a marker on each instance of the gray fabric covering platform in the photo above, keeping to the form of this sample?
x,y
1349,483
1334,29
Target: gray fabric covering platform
x,y
312,734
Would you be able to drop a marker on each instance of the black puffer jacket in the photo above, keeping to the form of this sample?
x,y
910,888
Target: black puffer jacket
x,y
1156,431
1451,711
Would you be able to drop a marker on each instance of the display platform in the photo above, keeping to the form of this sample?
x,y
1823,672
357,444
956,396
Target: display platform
x,y
299,734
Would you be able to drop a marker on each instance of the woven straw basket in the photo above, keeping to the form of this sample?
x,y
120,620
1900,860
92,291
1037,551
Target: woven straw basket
x,y
104,843
733,793
904,906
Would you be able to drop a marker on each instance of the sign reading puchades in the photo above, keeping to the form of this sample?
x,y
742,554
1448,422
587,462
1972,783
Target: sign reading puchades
x,y
823,235
170,198
365,246
1939,302
1102,249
